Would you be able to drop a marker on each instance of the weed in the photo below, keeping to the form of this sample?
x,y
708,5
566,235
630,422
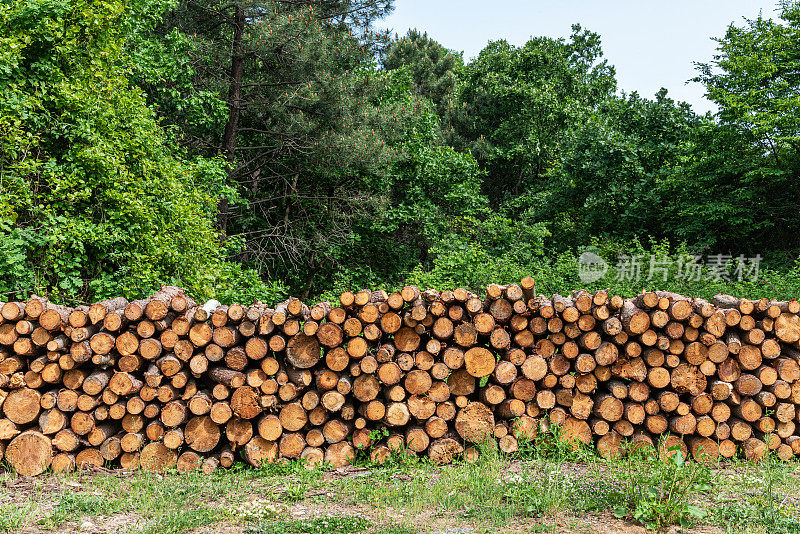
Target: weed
x,y
659,493
543,489
754,516
549,445
377,434
180,521
538,492
400,459
299,468
758,500
294,493
748,498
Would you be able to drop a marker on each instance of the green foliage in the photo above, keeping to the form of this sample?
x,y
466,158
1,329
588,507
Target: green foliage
x,y
612,175
97,203
377,434
306,138
466,260
754,80
517,106
475,253
667,267
751,162
754,515
115,118
425,188
236,282
164,65
295,468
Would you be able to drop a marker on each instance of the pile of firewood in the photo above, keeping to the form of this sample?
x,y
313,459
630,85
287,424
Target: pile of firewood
x,y
165,382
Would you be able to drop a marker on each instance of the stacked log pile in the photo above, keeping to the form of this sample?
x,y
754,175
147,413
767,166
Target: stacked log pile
x,y
165,382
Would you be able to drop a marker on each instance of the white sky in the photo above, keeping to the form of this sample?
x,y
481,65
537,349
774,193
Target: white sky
x,y
651,43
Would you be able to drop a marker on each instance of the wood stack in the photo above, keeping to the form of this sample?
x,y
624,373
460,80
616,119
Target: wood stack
x,y
164,382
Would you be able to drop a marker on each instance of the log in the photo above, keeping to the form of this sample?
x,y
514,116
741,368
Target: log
x,y
189,461
22,405
30,453
304,379
238,432
397,414
754,449
245,402
340,454
291,445
270,428
687,378
303,351
202,434
227,377
444,450
475,422
63,463
634,320
50,422
259,451
787,327
293,417
87,458
609,408
704,450
575,432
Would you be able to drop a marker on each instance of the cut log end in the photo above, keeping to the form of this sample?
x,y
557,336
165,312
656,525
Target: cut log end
x,y
30,453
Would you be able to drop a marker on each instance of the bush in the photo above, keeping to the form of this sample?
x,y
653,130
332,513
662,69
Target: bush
x,y
478,252
95,200
499,250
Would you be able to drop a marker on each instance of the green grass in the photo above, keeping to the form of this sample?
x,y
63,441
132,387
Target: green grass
x,y
322,525
71,505
408,495
660,493
763,499
14,516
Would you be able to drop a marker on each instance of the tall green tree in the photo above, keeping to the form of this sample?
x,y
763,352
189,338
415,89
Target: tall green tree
x,y
613,177
426,189
94,200
516,106
433,67
743,183
311,130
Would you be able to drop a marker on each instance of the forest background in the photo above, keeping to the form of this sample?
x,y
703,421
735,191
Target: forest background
x,y
252,149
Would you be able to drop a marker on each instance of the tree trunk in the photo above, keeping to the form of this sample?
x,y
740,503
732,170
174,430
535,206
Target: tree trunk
x,y
234,102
